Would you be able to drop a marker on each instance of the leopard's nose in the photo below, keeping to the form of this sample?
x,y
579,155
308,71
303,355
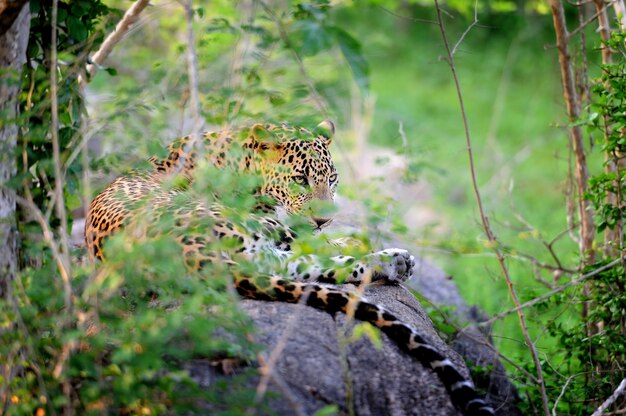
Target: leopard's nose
x,y
320,222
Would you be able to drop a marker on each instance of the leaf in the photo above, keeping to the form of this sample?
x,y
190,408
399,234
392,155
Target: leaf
x,y
310,37
368,330
76,29
72,201
351,50
111,71
276,99
327,410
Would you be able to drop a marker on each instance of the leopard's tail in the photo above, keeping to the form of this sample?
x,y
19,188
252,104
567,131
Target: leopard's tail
x,y
332,300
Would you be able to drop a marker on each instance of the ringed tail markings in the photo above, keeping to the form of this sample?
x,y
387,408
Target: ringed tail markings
x,y
332,300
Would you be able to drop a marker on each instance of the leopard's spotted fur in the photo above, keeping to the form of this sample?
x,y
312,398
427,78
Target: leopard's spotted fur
x,y
296,168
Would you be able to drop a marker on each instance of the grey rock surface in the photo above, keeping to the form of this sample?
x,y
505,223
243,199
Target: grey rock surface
x,y
309,372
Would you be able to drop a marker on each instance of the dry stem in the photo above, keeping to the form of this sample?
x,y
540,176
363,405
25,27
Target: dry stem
x,y
554,292
58,174
487,228
124,25
608,402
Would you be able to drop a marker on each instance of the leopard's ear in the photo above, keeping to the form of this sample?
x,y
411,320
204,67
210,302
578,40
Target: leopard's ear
x,y
325,129
264,142
262,138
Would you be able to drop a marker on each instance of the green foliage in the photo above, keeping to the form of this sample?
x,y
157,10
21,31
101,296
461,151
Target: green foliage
x,y
610,119
124,341
313,32
136,323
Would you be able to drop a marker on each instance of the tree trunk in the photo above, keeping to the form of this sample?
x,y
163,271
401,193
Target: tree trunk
x,y
13,43
572,102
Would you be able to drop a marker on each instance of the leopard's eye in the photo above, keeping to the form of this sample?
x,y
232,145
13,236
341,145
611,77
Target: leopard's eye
x,y
333,178
300,180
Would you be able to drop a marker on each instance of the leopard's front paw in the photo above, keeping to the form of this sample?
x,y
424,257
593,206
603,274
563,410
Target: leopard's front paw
x,y
393,265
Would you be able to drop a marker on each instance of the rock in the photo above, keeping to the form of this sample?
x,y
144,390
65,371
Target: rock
x,y
309,369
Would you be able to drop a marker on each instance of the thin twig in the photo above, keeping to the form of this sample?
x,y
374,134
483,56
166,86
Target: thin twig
x,y
487,228
287,394
124,25
586,23
553,292
608,402
467,30
48,235
558,399
411,18
58,174
192,71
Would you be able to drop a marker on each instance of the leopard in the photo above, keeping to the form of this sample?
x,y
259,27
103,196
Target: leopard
x,y
295,172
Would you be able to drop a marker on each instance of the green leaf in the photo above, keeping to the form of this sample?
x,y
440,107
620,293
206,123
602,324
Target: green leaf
x,y
351,50
111,71
310,37
368,330
276,99
327,410
76,29
72,201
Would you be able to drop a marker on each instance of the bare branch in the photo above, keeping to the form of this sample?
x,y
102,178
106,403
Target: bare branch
x,y
487,228
474,23
553,292
59,203
608,402
482,341
411,18
124,25
48,235
588,21
558,399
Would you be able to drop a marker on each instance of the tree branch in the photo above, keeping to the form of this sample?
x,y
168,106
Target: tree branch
x,y
608,402
467,30
124,25
553,292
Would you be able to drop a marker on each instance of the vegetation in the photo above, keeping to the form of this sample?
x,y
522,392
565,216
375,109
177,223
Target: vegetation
x,y
79,338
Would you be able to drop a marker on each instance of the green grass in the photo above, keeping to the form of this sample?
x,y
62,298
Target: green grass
x,y
512,93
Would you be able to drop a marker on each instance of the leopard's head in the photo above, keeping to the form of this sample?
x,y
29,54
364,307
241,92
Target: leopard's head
x,y
296,167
